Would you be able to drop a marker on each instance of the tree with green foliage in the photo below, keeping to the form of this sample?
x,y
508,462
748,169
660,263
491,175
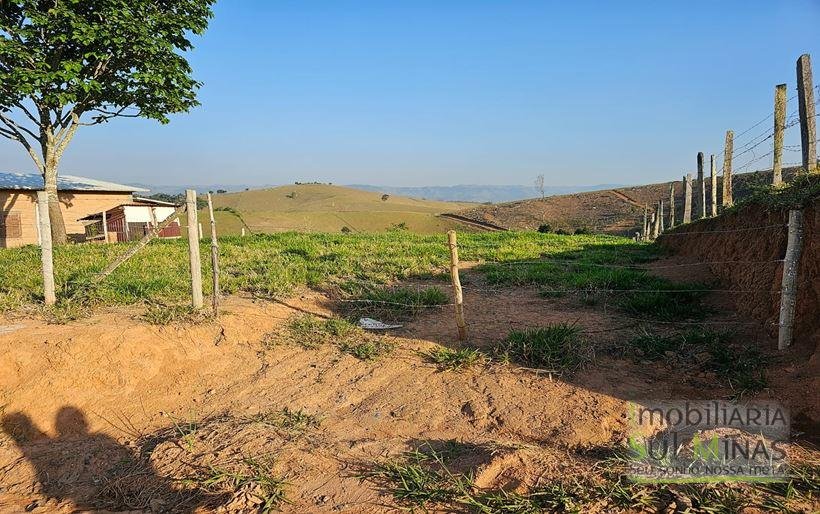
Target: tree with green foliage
x,y
65,64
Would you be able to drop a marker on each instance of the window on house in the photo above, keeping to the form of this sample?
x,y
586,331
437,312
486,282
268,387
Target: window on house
x,y
10,225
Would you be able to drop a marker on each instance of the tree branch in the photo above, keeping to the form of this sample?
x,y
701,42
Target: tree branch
x,y
15,127
14,134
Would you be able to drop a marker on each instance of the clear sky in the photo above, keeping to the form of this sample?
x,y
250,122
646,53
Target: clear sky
x,y
451,92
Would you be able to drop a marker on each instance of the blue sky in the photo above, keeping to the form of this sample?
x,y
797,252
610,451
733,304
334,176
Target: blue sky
x,y
454,92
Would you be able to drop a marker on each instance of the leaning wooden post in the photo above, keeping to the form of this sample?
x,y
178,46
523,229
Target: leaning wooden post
x,y
701,211
46,249
728,151
779,130
805,99
671,205
153,234
214,257
459,298
687,198
713,177
788,294
193,249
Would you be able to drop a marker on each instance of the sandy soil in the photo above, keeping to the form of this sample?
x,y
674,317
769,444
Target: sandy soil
x,y
110,412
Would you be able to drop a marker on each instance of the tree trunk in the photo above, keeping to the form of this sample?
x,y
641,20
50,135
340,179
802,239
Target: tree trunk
x,y
58,232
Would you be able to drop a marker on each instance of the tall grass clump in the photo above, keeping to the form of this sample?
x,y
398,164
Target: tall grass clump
x,y
560,347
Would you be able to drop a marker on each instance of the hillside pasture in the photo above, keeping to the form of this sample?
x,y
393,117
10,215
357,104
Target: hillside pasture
x,y
328,208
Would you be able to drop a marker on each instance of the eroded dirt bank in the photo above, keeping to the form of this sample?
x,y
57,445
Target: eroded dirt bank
x,y
741,249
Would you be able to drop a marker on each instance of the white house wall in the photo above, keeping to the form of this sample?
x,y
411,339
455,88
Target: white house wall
x,y
142,214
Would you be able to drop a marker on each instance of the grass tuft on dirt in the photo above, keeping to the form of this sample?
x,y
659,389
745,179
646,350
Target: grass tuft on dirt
x,y
740,366
559,347
368,350
451,359
256,479
295,421
309,331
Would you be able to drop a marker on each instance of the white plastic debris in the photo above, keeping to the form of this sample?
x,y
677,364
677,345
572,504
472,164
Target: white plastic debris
x,y
374,324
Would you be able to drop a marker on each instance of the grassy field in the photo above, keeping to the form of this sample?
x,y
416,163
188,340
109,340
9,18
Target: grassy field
x,y
274,265
327,208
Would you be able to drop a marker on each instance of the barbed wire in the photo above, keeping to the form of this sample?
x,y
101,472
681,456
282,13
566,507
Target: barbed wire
x,y
724,231
792,120
770,116
610,290
635,267
400,304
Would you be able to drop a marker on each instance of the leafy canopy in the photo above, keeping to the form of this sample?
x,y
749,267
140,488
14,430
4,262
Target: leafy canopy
x,y
102,58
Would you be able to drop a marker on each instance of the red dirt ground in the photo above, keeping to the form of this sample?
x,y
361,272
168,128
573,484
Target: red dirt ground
x,y
110,412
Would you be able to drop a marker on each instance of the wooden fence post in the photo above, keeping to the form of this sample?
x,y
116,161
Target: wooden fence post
x,y
645,231
687,198
671,205
214,257
193,249
660,217
46,249
808,122
713,177
457,293
654,226
788,295
701,210
779,130
728,152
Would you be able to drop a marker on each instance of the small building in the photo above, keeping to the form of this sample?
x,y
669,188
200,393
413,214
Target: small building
x,y
131,221
80,197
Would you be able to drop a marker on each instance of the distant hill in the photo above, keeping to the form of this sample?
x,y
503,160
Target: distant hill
x,y
200,188
327,208
478,193
611,210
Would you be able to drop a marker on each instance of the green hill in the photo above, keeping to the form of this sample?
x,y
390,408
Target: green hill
x,y
327,208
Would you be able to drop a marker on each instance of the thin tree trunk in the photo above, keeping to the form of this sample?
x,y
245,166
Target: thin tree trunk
x,y
58,231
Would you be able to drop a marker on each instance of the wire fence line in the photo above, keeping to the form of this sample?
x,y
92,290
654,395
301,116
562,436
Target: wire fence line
x,y
792,120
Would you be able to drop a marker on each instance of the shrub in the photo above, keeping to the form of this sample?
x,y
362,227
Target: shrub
x,y
545,228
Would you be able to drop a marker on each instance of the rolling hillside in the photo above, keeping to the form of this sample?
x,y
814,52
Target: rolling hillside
x,y
327,208
611,211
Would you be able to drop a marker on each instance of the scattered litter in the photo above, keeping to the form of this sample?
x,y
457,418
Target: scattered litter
x,y
374,324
